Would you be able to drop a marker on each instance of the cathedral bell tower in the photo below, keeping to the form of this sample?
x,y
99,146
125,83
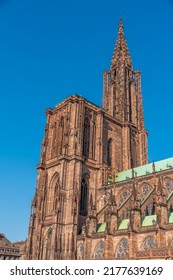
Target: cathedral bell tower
x,y
122,99
83,147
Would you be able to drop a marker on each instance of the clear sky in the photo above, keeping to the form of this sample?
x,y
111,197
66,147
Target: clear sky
x,y
50,49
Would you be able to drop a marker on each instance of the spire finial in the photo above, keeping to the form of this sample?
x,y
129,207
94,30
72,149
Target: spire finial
x,y
121,26
121,19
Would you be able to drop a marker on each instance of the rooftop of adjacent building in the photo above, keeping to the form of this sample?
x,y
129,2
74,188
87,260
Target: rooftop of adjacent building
x,y
4,242
144,170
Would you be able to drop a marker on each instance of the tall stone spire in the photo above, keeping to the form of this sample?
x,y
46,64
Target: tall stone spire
x,y
121,51
122,99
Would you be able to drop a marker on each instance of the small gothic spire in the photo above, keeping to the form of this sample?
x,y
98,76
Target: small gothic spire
x,y
153,166
159,187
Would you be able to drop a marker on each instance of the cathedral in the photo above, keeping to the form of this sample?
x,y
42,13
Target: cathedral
x,y
97,197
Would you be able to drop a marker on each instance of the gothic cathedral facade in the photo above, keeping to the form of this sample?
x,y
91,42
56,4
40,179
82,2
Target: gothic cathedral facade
x,y
96,196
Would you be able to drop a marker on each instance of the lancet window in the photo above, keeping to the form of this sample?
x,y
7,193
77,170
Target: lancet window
x,y
93,140
86,137
54,140
53,194
56,205
61,135
84,198
109,152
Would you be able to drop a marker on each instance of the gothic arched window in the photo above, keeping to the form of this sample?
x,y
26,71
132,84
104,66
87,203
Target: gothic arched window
x,y
93,140
53,194
99,251
109,152
86,138
148,243
122,251
56,198
84,198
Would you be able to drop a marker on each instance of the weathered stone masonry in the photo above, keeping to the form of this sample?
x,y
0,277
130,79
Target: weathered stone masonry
x,y
96,196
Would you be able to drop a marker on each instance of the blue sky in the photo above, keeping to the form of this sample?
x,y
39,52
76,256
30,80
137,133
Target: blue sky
x,y
51,49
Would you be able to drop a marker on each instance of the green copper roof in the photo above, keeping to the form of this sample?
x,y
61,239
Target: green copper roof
x,y
149,220
124,224
144,170
101,227
170,217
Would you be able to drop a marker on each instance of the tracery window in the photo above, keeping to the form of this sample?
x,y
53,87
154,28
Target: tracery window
x,y
123,197
168,183
99,251
144,191
148,243
80,251
84,198
122,251
109,152
86,137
